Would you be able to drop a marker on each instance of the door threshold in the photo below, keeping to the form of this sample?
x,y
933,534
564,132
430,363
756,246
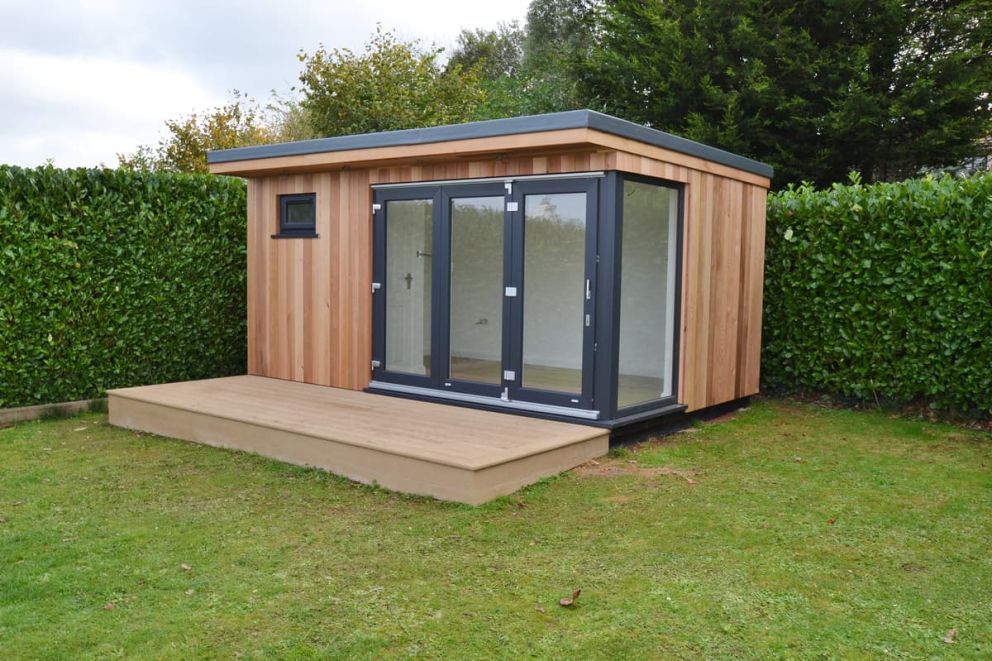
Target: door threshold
x,y
495,402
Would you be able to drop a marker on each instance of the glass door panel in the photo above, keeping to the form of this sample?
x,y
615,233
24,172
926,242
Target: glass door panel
x,y
409,233
554,277
484,289
475,342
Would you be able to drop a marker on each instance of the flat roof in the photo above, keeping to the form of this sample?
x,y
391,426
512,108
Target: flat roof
x,y
557,121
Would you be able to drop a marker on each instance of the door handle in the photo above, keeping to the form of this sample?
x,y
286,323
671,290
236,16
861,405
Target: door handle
x,y
588,289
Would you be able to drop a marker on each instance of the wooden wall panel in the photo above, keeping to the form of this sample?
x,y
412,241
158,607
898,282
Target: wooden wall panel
x,y
310,301
724,292
308,319
752,286
699,275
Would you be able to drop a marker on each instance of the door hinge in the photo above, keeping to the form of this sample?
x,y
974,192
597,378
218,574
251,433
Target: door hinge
x,y
376,364
376,286
597,259
511,206
376,207
508,185
595,347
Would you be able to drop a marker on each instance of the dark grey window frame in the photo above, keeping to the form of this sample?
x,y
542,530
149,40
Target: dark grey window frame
x,y
601,354
289,230
611,297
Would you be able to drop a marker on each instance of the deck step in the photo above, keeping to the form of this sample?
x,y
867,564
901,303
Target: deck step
x,y
448,452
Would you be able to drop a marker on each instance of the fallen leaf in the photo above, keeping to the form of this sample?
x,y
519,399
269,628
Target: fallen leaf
x,y
185,567
566,602
539,609
831,521
79,429
950,637
190,591
521,504
109,606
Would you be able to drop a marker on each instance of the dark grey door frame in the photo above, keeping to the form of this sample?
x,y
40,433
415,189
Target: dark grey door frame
x,y
512,331
517,278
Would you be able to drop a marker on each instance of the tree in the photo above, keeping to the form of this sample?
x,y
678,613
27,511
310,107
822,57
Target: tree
x,y
390,85
559,34
815,89
236,124
493,53
531,70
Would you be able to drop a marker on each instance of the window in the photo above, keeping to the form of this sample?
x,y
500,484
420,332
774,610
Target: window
x,y
647,293
297,215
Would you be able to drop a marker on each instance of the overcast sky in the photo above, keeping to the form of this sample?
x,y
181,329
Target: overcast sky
x,y
83,81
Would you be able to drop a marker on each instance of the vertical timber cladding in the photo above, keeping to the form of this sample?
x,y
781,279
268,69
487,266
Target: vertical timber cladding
x,y
309,300
723,275
309,304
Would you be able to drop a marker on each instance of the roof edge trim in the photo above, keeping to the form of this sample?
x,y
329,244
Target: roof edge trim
x,y
559,121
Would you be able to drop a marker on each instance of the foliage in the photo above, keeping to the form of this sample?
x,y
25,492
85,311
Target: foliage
x,y
236,124
110,278
805,534
493,53
882,292
390,85
530,70
559,36
884,88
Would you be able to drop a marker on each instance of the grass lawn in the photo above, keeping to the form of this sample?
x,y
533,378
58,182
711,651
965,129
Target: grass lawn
x,y
786,531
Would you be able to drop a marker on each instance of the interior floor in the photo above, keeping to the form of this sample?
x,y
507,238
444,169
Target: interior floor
x,y
633,388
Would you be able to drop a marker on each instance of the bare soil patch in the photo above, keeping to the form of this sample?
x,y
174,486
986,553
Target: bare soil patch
x,y
617,467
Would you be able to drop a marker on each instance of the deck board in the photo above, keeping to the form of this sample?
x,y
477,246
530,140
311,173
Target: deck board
x,y
468,444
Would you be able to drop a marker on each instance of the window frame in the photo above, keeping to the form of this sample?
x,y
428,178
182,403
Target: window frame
x,y
642,408
289,230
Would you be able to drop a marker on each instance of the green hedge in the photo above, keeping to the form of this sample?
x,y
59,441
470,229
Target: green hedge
x,y
882,293
111,278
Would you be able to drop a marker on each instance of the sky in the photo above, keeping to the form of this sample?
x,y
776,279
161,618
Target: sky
x,y
82,81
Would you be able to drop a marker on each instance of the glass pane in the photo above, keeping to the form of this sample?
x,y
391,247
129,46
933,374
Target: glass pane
x,y
408,286
299,213
647,292
476,343
554,291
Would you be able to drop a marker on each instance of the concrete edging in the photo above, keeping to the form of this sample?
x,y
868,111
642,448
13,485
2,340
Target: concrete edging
x,y
57,410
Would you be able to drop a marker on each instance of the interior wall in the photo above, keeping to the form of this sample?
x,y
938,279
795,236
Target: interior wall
x,y
647,282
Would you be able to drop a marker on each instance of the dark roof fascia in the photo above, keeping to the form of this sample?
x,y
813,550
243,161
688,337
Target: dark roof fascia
x,y
559,121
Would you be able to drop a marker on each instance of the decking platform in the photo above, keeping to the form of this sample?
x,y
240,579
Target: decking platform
x,y
438,450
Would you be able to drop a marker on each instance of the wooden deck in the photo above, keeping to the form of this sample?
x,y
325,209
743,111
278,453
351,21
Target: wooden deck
x,y
448,452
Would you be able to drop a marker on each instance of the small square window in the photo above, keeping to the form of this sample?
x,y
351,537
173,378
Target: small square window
x,y
298,215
